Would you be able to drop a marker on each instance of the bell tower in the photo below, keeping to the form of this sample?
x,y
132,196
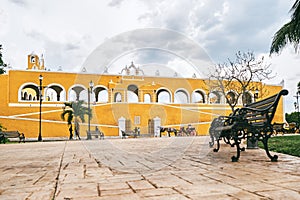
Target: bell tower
x,y
34,62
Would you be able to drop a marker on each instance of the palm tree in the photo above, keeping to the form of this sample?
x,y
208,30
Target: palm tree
x,y
289,33
76,111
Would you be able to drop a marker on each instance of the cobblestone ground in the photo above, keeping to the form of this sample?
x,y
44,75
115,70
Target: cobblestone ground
x,y
143,168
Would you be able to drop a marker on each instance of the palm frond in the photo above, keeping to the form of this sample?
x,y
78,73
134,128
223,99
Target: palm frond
x,y
280,39
70,115
289,33
76,110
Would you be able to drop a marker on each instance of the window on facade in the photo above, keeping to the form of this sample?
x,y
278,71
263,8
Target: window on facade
x,y
137,120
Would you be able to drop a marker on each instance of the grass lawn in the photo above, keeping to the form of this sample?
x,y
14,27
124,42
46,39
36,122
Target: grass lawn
x,y
289,144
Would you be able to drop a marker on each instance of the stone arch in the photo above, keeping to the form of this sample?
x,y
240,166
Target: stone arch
x,y
247,98
163,95
77,92
28,92
232,96
55,92
198,96
214,97
181,96
101,94
132,93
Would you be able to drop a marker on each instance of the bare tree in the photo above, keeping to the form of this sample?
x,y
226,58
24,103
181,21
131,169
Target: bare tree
x,y
234,78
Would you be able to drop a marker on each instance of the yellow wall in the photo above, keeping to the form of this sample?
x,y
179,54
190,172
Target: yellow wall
x,y
16,114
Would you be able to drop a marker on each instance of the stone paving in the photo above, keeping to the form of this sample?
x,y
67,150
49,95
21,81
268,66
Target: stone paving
x,y
143,168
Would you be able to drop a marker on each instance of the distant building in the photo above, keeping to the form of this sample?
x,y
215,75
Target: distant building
x,y
131,96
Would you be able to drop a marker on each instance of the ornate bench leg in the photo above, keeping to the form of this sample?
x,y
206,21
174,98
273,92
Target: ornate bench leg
x,y
218,146
238,150
212,133
265,142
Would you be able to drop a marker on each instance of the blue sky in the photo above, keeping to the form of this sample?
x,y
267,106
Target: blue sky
x,y
68,31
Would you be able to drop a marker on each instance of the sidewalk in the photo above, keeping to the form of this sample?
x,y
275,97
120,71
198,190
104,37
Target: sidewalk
x,y
143,168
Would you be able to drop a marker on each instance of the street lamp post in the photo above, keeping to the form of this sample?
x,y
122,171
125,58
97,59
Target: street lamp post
x,y
296,104
40,96
90,91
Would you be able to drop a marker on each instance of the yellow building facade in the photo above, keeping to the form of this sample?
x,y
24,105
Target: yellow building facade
x,y
130,95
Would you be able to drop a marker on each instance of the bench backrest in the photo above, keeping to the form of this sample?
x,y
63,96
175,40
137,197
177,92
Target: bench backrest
x,y
12,134
262,112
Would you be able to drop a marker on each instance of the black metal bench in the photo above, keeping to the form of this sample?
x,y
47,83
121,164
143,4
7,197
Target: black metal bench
x,y
251,122
11,134
96,134
128,133
169,131
279,128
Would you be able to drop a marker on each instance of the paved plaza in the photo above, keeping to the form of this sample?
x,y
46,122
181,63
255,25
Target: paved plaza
x,y
143,168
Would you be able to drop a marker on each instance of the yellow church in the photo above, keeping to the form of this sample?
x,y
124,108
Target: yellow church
x,y
127,100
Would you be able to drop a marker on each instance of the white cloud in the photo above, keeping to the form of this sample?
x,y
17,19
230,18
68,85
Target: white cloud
x,y
115,3
149,45
66,32
19,2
